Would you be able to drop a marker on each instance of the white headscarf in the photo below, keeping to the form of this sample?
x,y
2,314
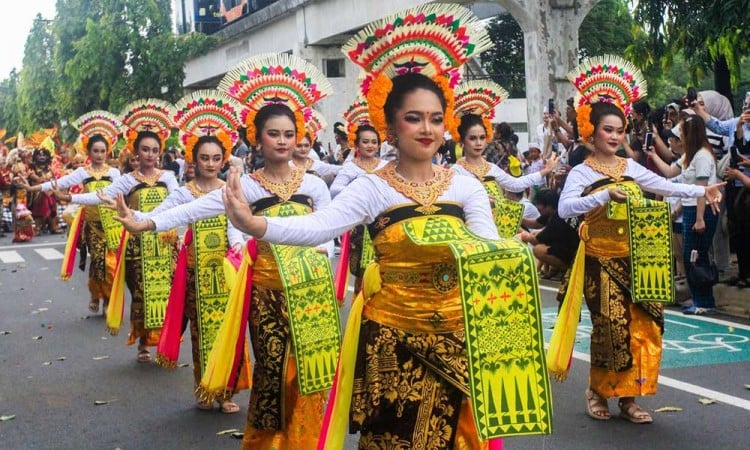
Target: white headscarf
x,y
717,105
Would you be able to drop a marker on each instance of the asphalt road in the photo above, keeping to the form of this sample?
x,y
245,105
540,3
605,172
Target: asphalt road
x,y
51,383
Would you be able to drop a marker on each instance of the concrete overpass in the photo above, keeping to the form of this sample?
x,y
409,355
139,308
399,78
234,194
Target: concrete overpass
x,y
316,29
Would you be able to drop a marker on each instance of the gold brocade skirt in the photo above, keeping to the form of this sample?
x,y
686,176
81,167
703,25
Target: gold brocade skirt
x,y
278,416
626,338
103,261
410,390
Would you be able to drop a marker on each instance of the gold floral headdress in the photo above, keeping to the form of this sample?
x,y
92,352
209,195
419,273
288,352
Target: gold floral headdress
x,y
433,40
208,113
605,78
148,114
356,115
98,122
275,78
314,122
479,97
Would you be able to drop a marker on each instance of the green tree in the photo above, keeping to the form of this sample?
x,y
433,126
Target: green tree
x,y
128,51
605,30
713,36
9,103
37,80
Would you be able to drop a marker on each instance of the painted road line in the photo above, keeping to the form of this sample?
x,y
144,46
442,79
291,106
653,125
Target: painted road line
x,y
679,314
23,246
11,257
49,254
689,388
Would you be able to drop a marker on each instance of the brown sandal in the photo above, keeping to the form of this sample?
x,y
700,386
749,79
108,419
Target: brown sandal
x,y
631,412
596,406
144,356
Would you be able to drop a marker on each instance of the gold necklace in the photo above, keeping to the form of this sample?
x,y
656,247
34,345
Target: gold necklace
x,y
614,171
424,193
96,174
197,191
149,180
284,189
369,168
478,171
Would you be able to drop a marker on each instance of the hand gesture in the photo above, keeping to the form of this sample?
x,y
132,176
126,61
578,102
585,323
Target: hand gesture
x,y
713,196
550,164
106,201
235,204
617,195
122,208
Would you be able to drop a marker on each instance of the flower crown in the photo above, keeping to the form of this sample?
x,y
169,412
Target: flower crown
x,y
479,97
314,122
432,40
356,115
208,113
275,78
98,122
148,114
606,78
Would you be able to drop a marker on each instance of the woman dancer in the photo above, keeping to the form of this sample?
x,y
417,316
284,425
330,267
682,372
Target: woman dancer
x,y
411,378
101,234
279,416
208,123
145,263
626,339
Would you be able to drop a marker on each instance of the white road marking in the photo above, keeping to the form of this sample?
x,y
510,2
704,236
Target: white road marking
x,y
11,257
23,246
49,254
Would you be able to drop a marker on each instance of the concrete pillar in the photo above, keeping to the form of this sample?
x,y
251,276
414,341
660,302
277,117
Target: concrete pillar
x,y
550,29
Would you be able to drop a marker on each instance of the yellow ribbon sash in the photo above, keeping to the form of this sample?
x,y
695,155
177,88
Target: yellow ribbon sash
x,y
156,262
509,385
211,291
312,307
368,250
112,228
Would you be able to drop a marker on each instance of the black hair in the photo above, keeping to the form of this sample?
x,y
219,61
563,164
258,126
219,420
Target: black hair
x,y
361,129
206,140
599,110
270,111
642,107
406,84
144,135
547,197
467,122
505,131
94,139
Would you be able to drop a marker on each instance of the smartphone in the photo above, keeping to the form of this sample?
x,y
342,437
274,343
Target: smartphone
x,y
692,95
551,105
648,141
746,104
734,157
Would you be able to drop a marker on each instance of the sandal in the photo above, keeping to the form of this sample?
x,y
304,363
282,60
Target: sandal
x,y
144,356
204,405
229,407
94,306
631,412
596,406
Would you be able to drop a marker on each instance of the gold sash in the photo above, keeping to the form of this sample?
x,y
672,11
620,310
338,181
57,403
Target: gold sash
x,y
112,228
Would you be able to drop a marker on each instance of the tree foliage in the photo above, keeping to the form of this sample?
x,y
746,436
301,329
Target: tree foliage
x,y
9,102
713,35
36,106
606,29
99,54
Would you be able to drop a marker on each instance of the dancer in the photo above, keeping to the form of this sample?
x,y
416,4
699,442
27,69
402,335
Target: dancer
x,y
366,141
475,107
43,206
626,313
405,369
314,122
280,413
145,263
101,234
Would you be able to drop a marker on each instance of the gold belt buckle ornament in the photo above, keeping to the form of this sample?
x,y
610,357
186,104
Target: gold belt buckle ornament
x,y
444,277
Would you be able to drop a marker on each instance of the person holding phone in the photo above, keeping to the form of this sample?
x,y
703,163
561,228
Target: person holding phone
x,y
737,130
